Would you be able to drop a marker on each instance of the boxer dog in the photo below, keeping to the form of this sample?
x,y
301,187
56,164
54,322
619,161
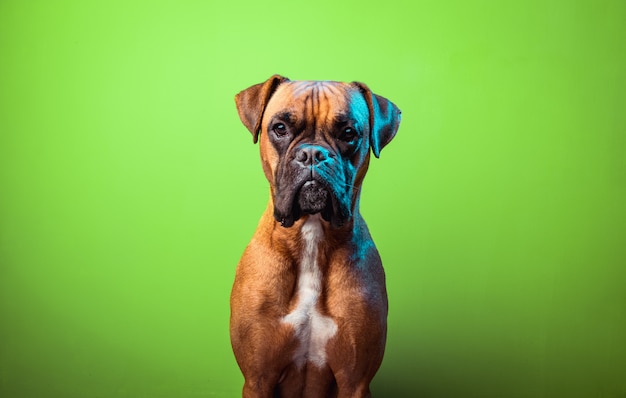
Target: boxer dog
x,y
309,303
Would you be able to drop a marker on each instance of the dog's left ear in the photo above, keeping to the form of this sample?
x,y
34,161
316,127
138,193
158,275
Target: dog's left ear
x,y
252,101
384,119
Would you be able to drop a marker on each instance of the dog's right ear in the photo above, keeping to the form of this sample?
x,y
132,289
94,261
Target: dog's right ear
x,y
252,101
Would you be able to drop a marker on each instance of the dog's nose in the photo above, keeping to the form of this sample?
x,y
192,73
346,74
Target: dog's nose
x,y
309,155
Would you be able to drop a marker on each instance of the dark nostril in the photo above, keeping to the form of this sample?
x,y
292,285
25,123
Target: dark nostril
x,y
320,155
311,154
302,155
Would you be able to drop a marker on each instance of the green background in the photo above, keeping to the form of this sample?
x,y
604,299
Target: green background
x,y
129,188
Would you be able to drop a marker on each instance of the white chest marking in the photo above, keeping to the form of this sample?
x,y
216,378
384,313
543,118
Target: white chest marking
x,y
312,329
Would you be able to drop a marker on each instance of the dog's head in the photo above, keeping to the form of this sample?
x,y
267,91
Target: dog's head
x,y
315,142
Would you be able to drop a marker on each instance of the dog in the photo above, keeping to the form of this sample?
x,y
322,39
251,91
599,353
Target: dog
x,y
309,302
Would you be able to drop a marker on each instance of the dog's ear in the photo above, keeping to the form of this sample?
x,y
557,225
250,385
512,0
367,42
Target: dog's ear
x,y
252,101
384,118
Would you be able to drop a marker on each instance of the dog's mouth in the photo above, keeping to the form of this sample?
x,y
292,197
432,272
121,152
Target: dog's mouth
x,y
312,197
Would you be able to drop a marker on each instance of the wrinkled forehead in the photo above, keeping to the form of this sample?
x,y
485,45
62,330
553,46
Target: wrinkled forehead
x,y
323,101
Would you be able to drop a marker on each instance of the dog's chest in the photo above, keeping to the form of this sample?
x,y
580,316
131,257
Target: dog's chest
x,y
312,329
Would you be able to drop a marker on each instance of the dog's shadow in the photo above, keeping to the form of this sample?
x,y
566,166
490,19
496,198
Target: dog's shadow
x,y
383,388
420,374
393,381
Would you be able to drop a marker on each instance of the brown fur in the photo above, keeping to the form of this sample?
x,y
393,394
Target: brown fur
x,y
353,292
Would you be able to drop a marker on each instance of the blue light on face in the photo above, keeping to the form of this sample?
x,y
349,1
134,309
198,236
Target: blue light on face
x,y
359,110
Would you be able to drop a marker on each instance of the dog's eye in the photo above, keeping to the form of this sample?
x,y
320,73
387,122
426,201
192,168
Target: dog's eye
x,y
348,134
279,129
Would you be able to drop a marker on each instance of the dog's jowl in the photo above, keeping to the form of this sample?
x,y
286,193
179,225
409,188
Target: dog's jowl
x,y
309,304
